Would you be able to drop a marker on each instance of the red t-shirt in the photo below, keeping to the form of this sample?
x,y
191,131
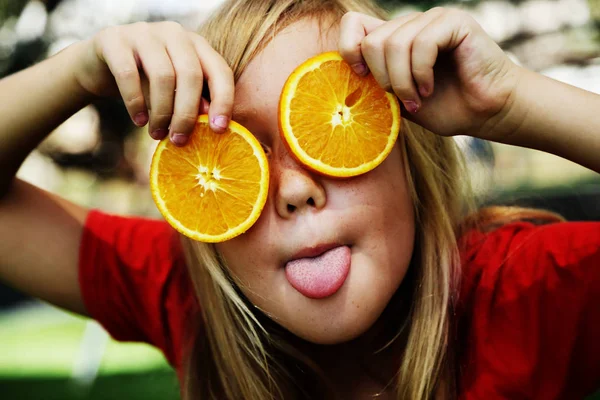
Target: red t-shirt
x,y
528,316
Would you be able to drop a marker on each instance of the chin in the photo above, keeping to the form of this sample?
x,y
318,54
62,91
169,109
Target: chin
x,y
333,338
335,332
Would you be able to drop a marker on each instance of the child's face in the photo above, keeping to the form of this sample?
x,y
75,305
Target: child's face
x,y
371,214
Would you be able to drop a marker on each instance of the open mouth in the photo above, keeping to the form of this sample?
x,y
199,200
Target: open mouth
x,y
314,251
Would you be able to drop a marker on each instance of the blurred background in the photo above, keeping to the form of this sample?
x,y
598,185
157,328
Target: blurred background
x,y
99,159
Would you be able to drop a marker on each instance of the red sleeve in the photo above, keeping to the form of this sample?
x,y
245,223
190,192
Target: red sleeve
x,y
133,280
530,312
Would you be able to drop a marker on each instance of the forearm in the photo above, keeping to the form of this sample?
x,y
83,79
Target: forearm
x,y
34,102
554,117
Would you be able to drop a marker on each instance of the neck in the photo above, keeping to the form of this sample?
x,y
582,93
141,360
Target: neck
x,y
375,356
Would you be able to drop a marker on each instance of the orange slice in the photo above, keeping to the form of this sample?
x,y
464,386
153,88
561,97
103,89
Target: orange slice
x,y
334,121
214,187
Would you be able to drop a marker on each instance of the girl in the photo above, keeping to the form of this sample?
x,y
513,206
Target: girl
x,y
501,304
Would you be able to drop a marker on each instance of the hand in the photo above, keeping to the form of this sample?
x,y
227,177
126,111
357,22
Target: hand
x,y
451,77
159,70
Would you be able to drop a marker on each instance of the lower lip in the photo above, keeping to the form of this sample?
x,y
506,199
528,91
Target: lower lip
x,y
321,276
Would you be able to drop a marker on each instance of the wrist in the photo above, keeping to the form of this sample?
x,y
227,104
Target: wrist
x,y
553,117
73,58
505,125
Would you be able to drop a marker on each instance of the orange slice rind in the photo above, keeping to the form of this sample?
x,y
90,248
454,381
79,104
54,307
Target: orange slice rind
x,y
213,188
334,121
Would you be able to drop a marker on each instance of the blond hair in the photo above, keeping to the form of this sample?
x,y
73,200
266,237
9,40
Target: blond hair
x,y
240,353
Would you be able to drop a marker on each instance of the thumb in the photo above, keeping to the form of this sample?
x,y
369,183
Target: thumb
x,y
354,26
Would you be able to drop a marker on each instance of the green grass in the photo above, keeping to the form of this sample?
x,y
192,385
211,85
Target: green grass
x,y
44,341
38,349
150,385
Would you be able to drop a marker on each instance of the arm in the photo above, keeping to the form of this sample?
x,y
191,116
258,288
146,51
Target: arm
x,y
33,105
453,79
39,242
554,117
40,234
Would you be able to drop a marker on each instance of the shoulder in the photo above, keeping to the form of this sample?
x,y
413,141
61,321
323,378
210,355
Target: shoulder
x,y
134,244
134,280
522,260
530,249
526,310
127,230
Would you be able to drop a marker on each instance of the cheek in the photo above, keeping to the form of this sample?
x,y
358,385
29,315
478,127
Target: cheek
x,y
383,205
252,265
249,255
237,256
381,192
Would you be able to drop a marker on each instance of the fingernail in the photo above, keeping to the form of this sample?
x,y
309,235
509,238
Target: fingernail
x,y
411,106
424,90
359,68
179,139
158,134
220,122
140,118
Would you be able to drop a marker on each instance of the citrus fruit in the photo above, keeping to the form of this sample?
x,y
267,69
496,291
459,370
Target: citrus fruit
x,y
334,121
213,188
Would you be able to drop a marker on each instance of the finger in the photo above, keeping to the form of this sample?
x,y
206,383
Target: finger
x,y
354,27
121,62
189,80
373,49
157,134
445,32
398,53
159,69
204,105
220,83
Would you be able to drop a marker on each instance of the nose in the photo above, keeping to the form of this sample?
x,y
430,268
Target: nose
x,y
297,191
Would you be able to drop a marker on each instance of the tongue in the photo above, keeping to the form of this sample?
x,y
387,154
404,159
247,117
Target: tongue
x,y
322,276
